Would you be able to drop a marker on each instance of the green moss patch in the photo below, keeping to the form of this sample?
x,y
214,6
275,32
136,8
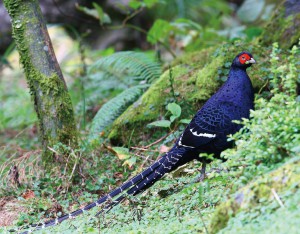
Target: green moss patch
x,y
256,195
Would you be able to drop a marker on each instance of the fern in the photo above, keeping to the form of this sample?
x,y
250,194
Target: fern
x,y
126,66
118,72
112,109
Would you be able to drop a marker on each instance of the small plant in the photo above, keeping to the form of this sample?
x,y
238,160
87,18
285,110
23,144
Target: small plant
x,y
175,111
123,154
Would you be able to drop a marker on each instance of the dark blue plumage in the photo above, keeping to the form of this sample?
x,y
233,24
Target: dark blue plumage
x,y
206,133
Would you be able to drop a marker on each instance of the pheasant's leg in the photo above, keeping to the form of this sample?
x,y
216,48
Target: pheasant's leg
x,y
202,176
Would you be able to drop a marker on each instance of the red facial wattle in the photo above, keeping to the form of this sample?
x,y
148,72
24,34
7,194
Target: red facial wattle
x,y
244,58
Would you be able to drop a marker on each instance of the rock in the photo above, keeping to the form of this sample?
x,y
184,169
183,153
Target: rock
x,y
284,26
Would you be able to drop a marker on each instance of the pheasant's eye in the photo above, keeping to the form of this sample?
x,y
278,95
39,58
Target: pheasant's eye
x,y
243,58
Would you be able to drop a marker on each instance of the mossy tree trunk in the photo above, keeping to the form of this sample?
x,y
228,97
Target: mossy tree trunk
x,y
45,80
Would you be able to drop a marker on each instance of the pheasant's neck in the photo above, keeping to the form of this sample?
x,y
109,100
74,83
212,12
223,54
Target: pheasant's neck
x,y
238,86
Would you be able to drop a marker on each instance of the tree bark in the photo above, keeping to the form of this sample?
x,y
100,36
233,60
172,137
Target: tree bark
x,y
45,80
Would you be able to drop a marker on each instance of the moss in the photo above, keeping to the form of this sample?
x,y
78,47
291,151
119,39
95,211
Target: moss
x,y
196,77
193,59
11,6
252,195
55,108
282,28
224,213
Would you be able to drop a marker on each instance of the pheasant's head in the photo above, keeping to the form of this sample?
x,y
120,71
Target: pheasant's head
x,y
243,60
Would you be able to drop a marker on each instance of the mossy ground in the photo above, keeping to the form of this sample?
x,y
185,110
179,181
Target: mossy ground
x,y
177,205
256,198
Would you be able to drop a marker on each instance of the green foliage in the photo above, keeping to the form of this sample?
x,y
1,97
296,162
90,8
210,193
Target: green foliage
x,y
159,30
258,201
103,17
207,12
10,116
97,12
119,71
175,111
113,109
192,25
112,74
135,4
123,154
160,123
126,66
188,34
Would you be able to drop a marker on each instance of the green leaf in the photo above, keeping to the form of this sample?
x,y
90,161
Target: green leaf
x,y
130,162
103,17
160,29
96,13
88,11
135,4
174,109
150,3
121,152
185,121
252,32
189,24
160,123
172,118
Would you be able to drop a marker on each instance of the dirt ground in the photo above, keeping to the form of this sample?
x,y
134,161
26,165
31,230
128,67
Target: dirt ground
x,y
9,210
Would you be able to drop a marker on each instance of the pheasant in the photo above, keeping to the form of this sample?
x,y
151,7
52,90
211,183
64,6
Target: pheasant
x,y
206,133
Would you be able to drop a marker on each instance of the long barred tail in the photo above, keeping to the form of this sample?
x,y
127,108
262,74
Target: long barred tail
x,y
169,162
134,186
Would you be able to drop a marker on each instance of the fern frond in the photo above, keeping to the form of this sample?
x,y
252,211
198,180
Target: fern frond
x,y
117,72
113,108
127,66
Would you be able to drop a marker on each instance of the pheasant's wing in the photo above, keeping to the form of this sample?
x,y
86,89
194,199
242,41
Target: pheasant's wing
x,y
210,122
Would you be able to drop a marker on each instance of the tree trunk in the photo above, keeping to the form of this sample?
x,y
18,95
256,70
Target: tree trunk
x,y
45,80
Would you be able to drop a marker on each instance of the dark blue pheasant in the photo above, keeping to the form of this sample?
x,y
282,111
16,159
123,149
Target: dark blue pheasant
x,y
206,133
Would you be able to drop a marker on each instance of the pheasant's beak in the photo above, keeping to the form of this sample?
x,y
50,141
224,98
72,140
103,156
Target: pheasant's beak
x,y
251,61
